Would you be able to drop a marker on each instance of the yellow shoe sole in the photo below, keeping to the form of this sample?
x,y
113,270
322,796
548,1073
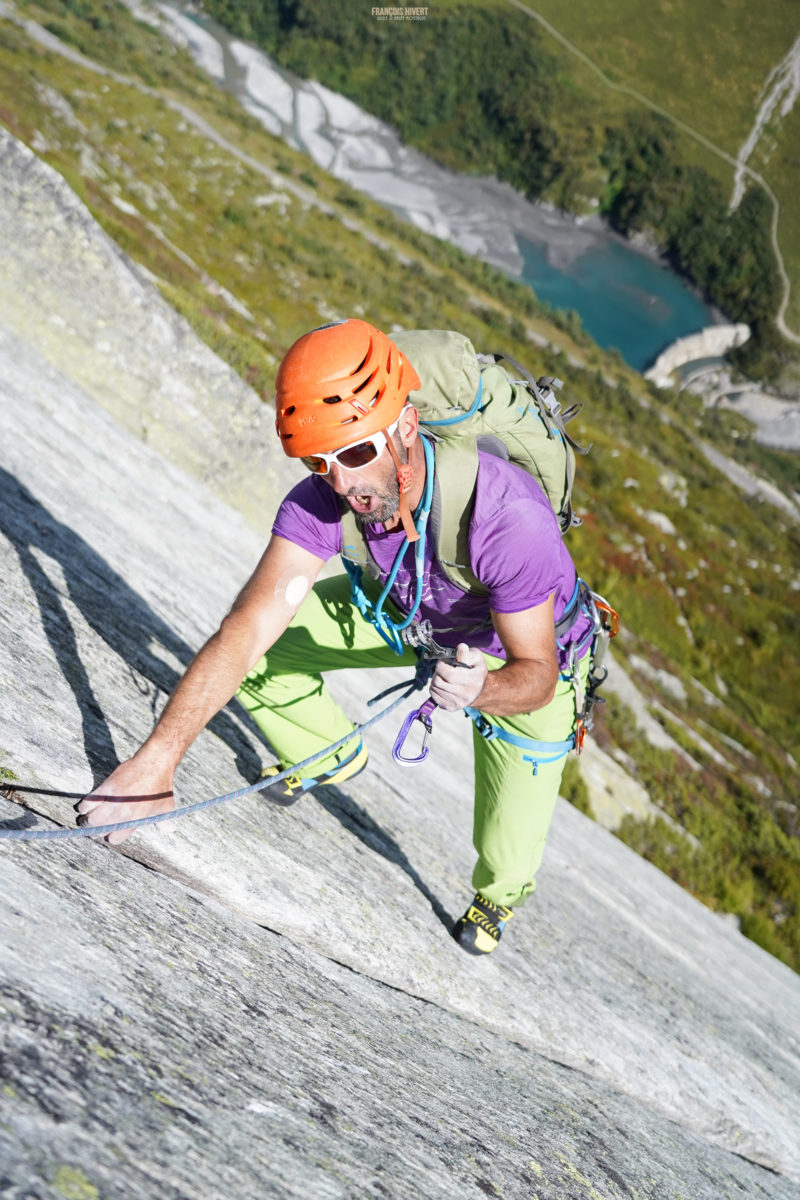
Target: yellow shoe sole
x,y
289,790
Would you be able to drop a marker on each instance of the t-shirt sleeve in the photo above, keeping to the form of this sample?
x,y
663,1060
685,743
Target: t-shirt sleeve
x,y
310,517
517,553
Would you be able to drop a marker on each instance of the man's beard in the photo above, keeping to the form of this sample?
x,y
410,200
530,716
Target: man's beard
x,y
388,506
389,497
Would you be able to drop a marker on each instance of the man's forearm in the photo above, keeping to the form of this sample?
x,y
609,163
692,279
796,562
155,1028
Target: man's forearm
x,y
210,681
260,614
520,686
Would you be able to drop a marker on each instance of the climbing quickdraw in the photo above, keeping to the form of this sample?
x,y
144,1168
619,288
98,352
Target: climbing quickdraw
x,y
606,626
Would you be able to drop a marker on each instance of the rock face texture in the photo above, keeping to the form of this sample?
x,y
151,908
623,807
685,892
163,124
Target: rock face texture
x,y
254,1002
72,293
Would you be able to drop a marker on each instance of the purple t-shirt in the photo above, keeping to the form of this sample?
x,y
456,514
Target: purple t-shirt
x,y
515,550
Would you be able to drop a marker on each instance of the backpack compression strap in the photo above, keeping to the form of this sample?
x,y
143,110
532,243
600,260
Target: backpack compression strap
x,y
456,476
552,414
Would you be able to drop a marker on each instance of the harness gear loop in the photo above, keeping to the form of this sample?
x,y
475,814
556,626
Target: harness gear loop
x,y
606,626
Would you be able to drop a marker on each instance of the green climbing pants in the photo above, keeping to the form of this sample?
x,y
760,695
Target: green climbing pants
x,y
286,696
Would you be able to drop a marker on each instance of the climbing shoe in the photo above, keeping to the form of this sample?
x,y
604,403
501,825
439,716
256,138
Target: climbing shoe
x,y
482,925
287,790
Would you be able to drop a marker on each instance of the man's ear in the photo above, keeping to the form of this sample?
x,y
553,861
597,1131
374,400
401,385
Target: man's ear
x,y
408,427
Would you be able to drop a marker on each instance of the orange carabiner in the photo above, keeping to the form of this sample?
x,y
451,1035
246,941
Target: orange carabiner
x,y
609,618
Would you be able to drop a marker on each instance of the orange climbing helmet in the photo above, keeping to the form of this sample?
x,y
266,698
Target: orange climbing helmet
x,y
338,383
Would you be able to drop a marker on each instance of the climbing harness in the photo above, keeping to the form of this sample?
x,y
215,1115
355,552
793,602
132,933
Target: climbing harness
x,y
605,625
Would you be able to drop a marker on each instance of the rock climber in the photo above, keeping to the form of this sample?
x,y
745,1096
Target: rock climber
x,y
345,409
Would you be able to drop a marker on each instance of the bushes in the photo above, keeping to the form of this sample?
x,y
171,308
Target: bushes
x,y
573,787
736,858
473,87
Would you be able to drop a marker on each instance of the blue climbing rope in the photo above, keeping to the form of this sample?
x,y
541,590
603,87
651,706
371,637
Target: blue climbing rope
x,y
389,629
52,835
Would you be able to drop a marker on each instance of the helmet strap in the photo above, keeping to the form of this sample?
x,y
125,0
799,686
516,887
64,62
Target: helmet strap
x,y
405,478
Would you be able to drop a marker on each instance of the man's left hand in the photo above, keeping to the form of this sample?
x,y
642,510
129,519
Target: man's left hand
x,y
452,687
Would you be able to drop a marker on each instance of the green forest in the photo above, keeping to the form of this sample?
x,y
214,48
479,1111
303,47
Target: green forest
x,y
475,87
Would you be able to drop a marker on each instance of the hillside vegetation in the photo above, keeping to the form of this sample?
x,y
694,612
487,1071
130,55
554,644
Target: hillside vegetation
x,y
255,245
709,65
483,87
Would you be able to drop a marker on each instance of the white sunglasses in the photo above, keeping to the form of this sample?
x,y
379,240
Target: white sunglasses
x,y
355,456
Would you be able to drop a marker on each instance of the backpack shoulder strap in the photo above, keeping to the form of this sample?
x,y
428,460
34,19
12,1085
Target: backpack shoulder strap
x,y
448,525
451,512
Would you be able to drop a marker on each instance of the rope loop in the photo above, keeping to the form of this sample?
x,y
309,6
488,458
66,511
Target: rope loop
x,y
52,835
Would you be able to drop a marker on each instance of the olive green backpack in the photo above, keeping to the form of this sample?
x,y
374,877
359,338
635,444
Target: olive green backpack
x,y
468,401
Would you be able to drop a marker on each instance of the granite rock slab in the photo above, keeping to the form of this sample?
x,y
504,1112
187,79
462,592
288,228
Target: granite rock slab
x,y
251,998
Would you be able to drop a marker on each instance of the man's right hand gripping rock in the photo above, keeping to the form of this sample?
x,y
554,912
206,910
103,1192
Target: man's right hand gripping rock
x,y
136,788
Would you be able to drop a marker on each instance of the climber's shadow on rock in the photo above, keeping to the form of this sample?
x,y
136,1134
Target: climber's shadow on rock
x,y
130,627
125,622
358,821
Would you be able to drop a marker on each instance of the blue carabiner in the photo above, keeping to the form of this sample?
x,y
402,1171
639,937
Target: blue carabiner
x,y
423,715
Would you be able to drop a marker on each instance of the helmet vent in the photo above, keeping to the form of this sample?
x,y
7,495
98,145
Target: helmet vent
x,y
331,399
366,382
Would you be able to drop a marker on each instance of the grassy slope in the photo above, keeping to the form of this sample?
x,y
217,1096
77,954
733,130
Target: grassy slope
x,y
290,264
705,63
